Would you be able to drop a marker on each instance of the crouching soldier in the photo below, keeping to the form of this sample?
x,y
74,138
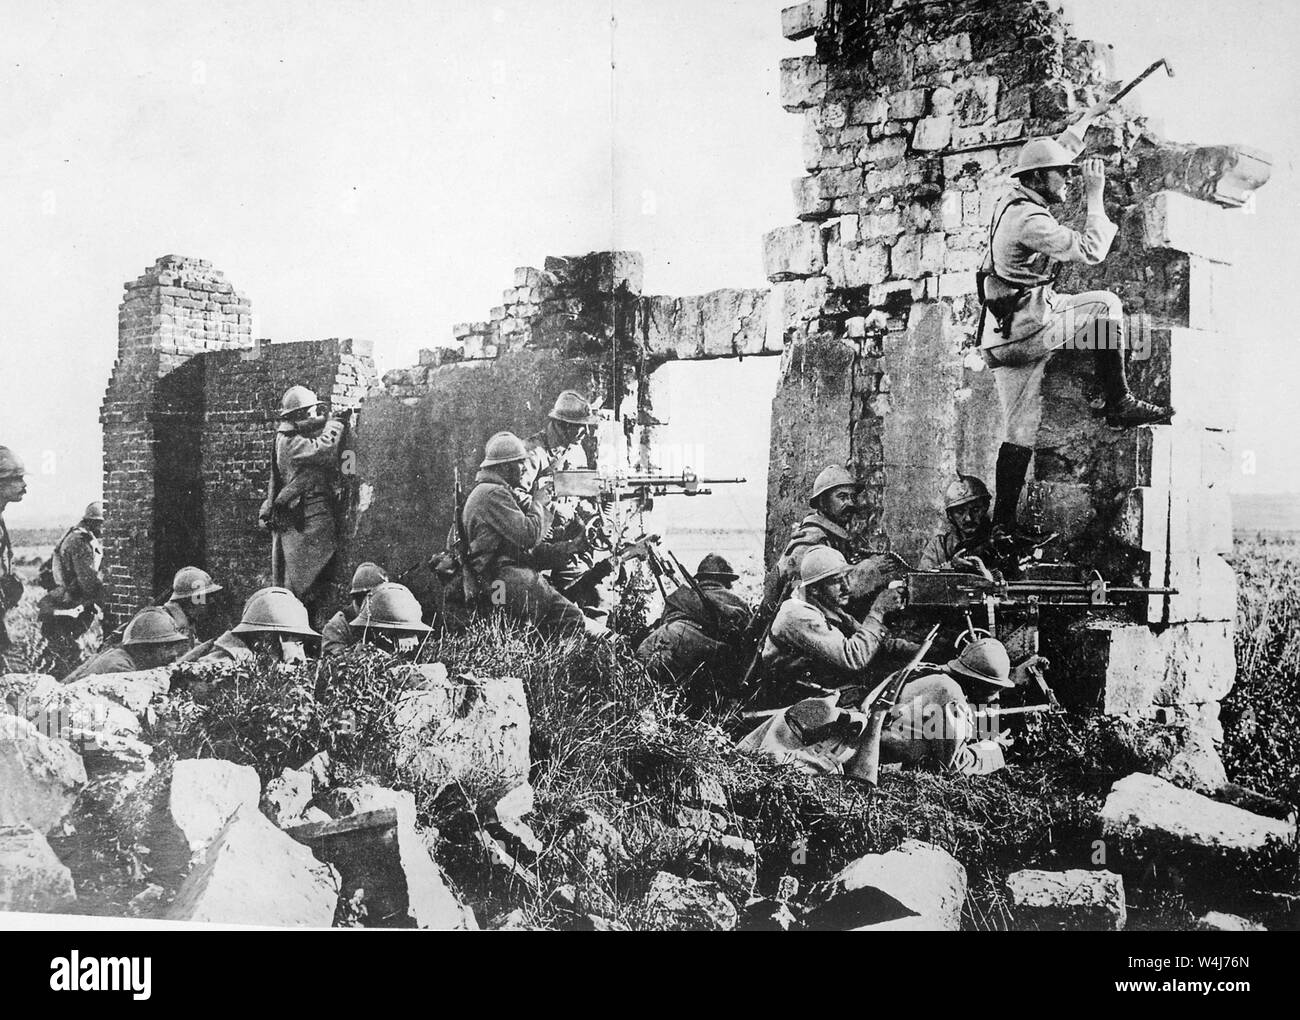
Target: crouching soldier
x,y
965,544
150,640
814,644
932,726
391,620
190,604
694,648
834,503
274,622
337,635
505,547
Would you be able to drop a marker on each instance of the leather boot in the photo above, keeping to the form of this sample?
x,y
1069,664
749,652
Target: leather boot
x,y
1123,410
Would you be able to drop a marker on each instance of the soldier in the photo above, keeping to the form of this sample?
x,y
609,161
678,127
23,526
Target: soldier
x,y
694,647
337,635
391,620
150,640
273,622
834,503
68,611
505,547
1031,321
560,446
190,604
814,644
13,486
302,501
966,503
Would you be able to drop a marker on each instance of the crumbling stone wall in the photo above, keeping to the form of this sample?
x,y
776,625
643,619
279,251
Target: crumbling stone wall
x,y
914,112
190,412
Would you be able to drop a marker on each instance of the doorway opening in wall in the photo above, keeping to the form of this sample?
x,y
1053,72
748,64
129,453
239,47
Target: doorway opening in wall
x,y
716,419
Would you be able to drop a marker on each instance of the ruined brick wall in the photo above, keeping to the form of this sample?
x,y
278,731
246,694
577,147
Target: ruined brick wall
x,y
914,112
152,418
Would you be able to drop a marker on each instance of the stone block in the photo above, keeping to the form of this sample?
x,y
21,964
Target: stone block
x,y
1068,900
1153,816
976,100
849,268
32,878
1141,521
869,111
205,792
803,82
983,135
932,133
40,776
803,299
793,251
917,887
1181,223
683,904
947,53
1207,590
254,874
809,203
1216,920
885,152
803,20
907,105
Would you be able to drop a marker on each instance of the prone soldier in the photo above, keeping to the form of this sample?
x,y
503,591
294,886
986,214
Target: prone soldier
x,y
337,635
150,640
274,622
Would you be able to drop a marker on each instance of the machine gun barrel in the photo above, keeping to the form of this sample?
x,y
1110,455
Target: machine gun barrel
x,y
585,483
958,590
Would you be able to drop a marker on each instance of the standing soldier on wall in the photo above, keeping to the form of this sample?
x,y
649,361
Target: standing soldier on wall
x,y
304,491
68,611
558,446
1030,321
12,489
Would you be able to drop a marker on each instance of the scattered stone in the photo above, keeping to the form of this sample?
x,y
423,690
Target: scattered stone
x,y
146,902
1152,812
768,914
205,793
116,769
729,861
516,920
375,845
470,732
1069,900
1218,921
1196,765
254,874
594,846
31,877
917,887
286,799
76,715
133,691
683,904
40,777
499,857
702,806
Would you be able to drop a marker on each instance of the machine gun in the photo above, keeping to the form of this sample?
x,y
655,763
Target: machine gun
x,y
967,592
585,483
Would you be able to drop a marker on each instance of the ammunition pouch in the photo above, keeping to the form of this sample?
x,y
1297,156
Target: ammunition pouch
x,y
1002,308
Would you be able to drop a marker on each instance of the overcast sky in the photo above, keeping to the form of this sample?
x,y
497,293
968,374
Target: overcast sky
x,y
377,169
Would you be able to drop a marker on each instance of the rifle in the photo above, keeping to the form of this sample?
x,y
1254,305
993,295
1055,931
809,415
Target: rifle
x,y
707,604
471,584
865,765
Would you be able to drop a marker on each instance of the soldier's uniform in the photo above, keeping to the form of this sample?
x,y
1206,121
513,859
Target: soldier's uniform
x,y
337,636
110,660
227,647
506,552
11,585
688,649
68,611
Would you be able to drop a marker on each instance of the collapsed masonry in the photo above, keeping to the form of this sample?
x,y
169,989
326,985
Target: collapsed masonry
x,y
188,417
914,111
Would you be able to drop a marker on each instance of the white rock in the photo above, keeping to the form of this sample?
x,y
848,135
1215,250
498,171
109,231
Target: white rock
x,y
683,904
133,691
40,777
205,793
32,878
1146,809
917,887
1217,921
252,873
1071,899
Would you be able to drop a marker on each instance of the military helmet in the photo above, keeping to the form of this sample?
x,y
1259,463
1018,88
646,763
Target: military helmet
x,y
1043,154
367,577
574,408
808,716
277,610
192,582
503,448
11,465
297,398
152,626
985,660
966,489
714,568
94,511
391,606
821,562
831,478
